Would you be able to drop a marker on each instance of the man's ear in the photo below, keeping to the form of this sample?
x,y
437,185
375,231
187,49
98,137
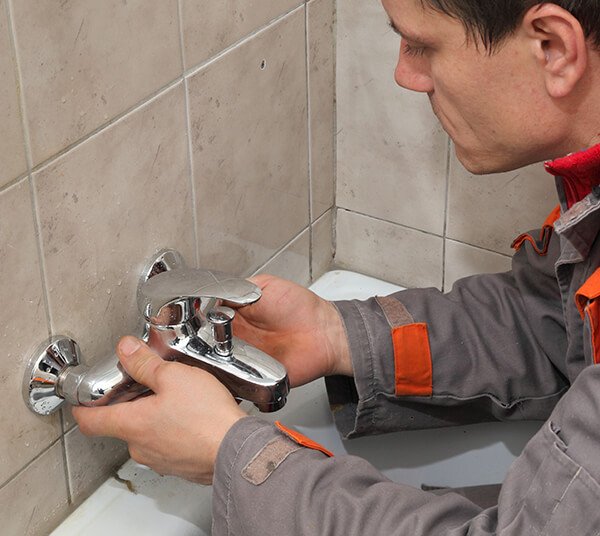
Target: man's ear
x,y
559,45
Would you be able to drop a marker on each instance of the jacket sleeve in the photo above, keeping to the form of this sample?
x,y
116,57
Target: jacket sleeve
x,y
266,483
491,349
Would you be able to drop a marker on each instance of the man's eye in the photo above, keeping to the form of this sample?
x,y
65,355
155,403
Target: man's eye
x,y
410,50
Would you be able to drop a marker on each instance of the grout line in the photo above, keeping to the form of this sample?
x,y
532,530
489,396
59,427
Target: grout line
x,y
189,135
274,22
419,230
116,119
14,182
28,464
322,216
65,459
335,129
334,217
33,201
29,159
377,218
331,211
181,39
309,142
448,149
505,255
17,61
280,250
191,172
42,258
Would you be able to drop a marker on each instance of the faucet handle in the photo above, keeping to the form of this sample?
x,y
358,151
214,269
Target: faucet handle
x,y
220,319
169,298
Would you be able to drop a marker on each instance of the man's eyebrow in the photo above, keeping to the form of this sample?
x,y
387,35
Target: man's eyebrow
x,y
405,35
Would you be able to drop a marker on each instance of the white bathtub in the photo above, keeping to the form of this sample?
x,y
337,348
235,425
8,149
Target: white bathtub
x,y
167,506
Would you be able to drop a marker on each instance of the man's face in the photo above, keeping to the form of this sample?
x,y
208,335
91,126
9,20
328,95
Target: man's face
x,y
492,106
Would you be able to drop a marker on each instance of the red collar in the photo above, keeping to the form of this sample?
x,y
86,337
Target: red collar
x,y
580,173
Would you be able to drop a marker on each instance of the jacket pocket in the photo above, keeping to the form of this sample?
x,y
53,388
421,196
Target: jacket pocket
x,y
577,513
563,498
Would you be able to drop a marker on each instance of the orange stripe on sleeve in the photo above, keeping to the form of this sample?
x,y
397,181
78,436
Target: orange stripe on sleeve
x,y
412,360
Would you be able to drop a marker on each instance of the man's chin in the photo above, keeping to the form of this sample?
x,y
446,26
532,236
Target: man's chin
x,y
481,164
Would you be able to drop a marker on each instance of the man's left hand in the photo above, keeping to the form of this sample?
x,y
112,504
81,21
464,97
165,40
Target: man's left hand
x,y
179,428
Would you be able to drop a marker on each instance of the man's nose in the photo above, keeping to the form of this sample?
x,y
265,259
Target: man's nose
x,y
410,75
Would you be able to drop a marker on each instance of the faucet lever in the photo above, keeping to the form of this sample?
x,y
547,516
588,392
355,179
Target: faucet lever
x,y
170,298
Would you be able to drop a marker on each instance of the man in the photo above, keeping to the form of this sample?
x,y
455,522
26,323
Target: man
x,y
513,82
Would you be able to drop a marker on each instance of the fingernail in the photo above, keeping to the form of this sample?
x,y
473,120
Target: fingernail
x,y
129,345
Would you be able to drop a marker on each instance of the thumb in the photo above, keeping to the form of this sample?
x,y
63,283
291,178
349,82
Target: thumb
x,y
139,361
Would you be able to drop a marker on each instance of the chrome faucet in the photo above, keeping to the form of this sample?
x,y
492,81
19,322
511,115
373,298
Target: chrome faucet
x,y
187,320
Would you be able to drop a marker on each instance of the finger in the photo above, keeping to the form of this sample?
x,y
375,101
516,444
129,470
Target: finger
x,y
101,421
261,280
140,362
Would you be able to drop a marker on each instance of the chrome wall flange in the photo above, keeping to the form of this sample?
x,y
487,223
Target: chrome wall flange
x,y
41,386
164,261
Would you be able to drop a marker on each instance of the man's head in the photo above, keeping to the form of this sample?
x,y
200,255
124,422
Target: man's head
x,y
512,81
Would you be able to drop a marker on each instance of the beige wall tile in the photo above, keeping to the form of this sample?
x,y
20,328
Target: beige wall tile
x,y
293,262
209,26
463,260
23,327
322,244
391,152
12,145
85,62
91,461
491,211
35,501
322,103
249,139
390,252
106,208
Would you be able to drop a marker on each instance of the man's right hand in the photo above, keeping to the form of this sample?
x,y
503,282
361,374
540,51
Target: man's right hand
x,y
296,327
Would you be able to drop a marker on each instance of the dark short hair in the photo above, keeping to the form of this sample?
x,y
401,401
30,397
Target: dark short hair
x,y
492,21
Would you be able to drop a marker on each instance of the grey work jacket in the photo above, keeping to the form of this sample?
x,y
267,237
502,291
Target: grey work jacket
x,y
519,345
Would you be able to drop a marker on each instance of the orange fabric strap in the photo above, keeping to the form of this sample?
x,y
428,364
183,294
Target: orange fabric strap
x,y
412,360
301,439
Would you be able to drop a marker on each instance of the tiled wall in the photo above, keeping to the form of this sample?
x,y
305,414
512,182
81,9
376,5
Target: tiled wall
x,y
128,127
407,210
